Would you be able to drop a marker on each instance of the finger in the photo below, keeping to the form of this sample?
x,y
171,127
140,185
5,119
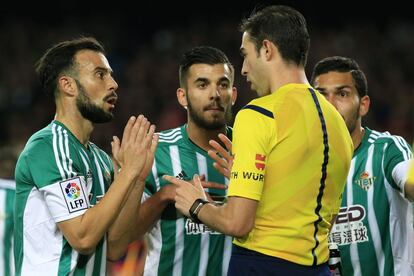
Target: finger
x,y
154,143
142,133
128,127
202,177
149,136
213,185
137,127
226,141
219,160
222,151
115,145
173,180
198,186
222,170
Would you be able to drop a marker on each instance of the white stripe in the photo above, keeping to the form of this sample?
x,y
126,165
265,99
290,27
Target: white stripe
x,y
371,140
171,141
62,152
103,258
169,132
171,136
90,265
179,247
372,220
153,258
68,153
55,151
73,261
398,144
353,249
226,254
155,175
100,176
98,153
204,248
85,163
202,166
7,184
205,238
179,224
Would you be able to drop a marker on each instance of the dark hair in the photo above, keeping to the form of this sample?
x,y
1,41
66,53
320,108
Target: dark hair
x,y
202,55
60,58
342,65
283,26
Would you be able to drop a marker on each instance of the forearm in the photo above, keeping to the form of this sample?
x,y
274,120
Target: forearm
x,y
150,211
233,219
121,232
84,232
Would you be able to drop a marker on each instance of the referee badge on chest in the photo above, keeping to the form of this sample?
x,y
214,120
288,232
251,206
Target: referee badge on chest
x,y
365,181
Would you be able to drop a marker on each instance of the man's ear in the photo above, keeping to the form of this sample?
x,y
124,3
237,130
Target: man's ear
x,y
233,95
364,105
182,97
67,85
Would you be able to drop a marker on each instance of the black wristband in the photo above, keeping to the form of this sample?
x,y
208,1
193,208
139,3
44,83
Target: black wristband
x,y
195,208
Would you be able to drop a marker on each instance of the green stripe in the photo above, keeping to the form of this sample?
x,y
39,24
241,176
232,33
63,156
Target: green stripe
x,y
8,231
65,258
215,260
98,259
167,254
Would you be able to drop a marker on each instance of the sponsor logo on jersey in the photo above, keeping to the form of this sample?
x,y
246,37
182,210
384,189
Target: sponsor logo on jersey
x,y
192,228
365,181
349,226
260,161
182,175
74,194
247,175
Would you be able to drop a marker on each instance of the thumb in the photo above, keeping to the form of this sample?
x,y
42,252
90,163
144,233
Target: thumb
x,y
198,185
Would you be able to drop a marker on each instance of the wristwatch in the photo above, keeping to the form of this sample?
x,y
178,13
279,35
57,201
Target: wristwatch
x,y
196,207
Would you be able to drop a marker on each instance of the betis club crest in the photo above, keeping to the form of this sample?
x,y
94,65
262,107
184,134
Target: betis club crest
x,y
365,181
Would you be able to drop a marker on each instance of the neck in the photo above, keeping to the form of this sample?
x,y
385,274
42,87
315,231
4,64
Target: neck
x,y
287,74
357,135
70,116
201,136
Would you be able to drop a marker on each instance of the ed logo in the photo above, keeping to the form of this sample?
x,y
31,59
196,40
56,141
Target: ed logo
x,y
350,214
74,194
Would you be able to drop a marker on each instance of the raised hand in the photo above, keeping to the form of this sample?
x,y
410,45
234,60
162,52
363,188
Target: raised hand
x,y
135,152
186,193
222,157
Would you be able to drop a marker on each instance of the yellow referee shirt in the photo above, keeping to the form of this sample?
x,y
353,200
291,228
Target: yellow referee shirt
x,y
292,154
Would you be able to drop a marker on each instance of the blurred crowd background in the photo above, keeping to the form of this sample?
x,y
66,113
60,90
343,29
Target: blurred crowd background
x,y
144,45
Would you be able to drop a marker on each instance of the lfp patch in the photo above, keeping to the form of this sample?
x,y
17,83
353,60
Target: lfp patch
x,y
74,194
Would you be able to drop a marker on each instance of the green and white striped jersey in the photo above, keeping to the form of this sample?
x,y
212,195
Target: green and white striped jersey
x,y
374,227
7,191
178,246
57,178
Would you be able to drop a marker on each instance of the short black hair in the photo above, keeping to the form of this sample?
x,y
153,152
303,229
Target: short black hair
x,y
202,55
342,65
61,58
282,25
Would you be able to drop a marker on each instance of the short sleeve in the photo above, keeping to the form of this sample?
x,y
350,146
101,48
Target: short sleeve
x,y
251,144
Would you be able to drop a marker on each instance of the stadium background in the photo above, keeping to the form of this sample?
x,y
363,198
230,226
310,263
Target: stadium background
x,y
144,42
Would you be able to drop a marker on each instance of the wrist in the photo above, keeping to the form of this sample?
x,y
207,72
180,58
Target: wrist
x,y
195,209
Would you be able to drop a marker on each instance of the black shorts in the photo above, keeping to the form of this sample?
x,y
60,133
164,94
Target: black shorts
x,y
245,262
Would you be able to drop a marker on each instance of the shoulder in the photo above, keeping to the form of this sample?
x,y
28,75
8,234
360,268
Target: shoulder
x,y
377,138
170,137
258,108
